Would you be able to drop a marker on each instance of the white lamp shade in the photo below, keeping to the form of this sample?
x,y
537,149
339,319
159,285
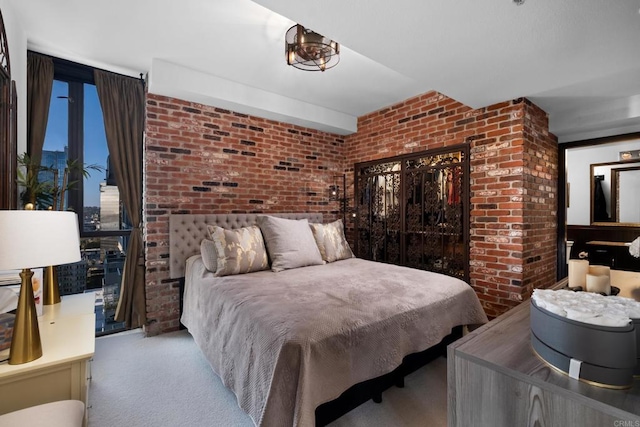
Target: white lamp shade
x,y
32,239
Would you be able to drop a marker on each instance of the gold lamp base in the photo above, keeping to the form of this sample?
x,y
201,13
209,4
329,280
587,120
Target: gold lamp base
x,y
51,291
25,341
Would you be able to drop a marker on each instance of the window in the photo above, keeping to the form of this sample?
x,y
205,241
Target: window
x,y
75,133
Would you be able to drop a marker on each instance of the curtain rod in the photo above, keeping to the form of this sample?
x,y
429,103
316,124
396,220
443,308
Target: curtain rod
x,y
87,68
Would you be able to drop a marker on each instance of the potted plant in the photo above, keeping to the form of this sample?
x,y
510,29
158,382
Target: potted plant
x,y
32,190
48,194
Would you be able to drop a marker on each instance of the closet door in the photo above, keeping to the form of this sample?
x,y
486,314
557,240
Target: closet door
x,y
436,217
378,212
413,210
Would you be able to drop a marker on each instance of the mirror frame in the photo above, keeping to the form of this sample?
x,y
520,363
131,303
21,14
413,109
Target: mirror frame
x,y
622,163
615,183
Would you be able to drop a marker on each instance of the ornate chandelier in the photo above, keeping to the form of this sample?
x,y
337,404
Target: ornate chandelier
x,y
310,51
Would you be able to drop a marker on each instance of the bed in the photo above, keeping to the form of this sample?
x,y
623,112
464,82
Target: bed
x,y
287,342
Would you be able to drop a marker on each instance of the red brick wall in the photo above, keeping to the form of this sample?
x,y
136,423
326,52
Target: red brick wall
x,y
512,156
201,159
540,210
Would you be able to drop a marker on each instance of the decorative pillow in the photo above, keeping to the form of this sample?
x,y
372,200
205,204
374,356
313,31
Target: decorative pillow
x,y
238,251
290,242
209,254
331,241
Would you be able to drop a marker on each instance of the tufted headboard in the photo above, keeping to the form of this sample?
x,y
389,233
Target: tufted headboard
x,y
186,231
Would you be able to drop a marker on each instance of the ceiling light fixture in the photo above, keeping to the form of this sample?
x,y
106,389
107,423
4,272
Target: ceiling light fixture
x,y
310,51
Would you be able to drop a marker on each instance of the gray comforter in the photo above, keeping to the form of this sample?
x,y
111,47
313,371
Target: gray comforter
x,y
287,342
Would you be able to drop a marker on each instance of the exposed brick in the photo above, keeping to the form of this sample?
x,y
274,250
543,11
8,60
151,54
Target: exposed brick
x,y
160,149
508,144
219,164
514,178
180,150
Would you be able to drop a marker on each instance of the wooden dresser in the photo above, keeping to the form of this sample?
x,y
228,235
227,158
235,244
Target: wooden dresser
x,y
67,331
495,379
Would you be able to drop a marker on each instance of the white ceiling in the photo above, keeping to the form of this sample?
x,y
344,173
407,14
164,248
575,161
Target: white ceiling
x,y
577,59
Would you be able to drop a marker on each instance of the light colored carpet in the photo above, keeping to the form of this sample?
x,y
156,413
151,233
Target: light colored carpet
x,y
166,381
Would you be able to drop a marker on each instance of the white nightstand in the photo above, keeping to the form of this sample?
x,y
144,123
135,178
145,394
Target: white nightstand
x,y
67,331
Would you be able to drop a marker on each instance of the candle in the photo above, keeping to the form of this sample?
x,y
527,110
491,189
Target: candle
x,y
600,270
599,284
578,269
599,279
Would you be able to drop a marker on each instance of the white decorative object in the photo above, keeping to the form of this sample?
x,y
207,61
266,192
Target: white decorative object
x,y
578,269
569,246
599,279
634,248
598,284
8,300
587,307
37,282
9,294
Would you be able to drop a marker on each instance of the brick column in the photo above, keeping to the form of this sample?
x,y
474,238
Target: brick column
x,y
513,183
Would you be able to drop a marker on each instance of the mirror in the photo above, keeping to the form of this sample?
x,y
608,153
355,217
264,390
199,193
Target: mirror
x,y
615,199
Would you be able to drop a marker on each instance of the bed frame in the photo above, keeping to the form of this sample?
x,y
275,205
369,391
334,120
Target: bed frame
x,y
185,234
373,388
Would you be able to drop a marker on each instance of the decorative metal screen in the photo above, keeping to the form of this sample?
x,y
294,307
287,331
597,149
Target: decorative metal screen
x,y
8,135
5,64
413,210
378,212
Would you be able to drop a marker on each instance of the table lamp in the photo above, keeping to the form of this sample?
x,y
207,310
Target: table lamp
x,y
33,239
50,288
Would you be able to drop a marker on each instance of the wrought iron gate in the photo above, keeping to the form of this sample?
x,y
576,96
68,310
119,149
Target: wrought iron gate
x,y
414,210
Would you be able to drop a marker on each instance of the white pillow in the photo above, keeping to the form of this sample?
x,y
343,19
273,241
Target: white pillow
x,y
209,254
290,243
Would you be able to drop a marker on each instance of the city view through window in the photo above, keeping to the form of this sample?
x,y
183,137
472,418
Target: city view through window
x,y
93,195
